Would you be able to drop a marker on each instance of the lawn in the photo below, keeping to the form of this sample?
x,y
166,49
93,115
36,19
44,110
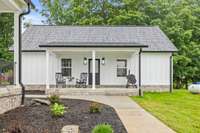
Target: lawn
x,y
179,110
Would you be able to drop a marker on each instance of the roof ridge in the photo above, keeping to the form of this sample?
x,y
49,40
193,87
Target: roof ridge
x,y
143,26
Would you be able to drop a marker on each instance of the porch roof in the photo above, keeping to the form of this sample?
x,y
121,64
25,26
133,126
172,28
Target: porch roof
x,y
14,5
150,38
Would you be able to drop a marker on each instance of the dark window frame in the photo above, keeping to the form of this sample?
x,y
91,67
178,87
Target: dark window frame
x,y
125,67
67,68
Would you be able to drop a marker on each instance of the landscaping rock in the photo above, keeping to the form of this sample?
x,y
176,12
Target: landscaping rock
x,y
70,129
40,101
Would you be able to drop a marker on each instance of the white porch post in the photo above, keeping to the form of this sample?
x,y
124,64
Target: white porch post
x,y
93,69
47,69
16,49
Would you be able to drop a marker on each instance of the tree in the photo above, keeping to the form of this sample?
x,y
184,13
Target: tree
x,y
179,19
6,35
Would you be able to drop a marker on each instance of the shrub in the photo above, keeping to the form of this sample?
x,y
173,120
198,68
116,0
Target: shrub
x,y
103,128
54,99
57,109
95,107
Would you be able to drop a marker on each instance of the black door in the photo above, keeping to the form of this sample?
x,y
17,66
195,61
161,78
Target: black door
x,y
97,71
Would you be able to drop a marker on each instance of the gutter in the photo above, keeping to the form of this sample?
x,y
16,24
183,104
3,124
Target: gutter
x,y
20,49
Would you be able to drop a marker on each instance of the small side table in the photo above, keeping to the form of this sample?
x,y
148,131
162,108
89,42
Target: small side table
x,y
70,81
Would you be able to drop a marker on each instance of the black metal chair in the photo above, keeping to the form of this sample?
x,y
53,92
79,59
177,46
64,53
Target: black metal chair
x,y
60,80
82,82
131,81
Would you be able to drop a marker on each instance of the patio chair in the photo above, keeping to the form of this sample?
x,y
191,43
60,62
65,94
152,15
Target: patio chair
x,y
82,82
131,81
60,80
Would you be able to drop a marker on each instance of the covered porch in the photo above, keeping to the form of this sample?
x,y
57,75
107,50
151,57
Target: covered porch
x,y
102,69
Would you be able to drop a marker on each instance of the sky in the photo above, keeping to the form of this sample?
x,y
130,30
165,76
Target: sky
x,y
34,17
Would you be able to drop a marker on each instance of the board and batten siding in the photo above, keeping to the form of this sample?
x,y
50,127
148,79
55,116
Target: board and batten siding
x,y
108,72
155,68
34,68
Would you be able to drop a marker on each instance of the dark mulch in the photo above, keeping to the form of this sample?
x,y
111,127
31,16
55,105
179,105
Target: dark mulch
x,y
38,119
35,92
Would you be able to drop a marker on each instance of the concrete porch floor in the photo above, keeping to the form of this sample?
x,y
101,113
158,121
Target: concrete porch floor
x,y
134,118
90,91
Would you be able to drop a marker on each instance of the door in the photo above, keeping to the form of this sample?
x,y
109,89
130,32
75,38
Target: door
x,y
97,71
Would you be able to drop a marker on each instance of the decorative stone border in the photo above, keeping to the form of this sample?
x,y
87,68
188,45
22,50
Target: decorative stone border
x,y
70,129
155,88
10,98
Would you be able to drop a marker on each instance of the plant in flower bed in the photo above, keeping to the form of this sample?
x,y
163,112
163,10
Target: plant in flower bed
x,y
103,128
57,109
95,107
38,118
54,99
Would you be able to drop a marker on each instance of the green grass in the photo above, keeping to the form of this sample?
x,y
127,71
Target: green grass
x,y
179,110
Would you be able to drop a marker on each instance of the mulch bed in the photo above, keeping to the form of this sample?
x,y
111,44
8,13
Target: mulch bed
x,y
38,119
34,92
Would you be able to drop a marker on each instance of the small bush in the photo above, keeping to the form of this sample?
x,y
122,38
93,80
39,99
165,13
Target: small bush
x,y
103,128
54,99
57,109
95,107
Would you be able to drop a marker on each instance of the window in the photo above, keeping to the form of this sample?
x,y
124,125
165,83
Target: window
x,y
66,67
121,68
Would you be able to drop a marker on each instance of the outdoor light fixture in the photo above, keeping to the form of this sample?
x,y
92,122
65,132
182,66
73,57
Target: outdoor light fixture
x,y
103,61
85,61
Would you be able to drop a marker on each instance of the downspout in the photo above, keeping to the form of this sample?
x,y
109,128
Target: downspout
x,y
140,90
20,50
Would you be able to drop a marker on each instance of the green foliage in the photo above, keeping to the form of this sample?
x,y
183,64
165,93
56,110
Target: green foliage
x,y
6,35
95,107
57,109
103,128
54,99
180,20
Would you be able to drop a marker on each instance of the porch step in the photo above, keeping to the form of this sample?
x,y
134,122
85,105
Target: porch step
x,y
89,91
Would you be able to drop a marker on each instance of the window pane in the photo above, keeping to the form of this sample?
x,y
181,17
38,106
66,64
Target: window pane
x,y
120,64
66,62
66,72
62,62
121,67
121,72
66,67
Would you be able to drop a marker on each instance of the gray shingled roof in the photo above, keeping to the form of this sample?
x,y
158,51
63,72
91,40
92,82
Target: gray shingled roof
x,y
38,37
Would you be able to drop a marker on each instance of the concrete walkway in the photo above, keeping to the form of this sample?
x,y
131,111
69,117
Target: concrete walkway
x,y
134,118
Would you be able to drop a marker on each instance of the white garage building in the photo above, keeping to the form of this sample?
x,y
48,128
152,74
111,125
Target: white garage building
x,y
106,54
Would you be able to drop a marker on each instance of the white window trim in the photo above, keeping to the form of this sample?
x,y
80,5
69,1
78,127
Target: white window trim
x,y
64,67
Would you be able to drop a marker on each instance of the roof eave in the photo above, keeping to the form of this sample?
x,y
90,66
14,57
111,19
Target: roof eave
x,y
161,51
119,46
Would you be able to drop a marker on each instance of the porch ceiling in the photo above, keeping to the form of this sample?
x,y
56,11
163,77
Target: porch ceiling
x,y
97,52
12,6
97,49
